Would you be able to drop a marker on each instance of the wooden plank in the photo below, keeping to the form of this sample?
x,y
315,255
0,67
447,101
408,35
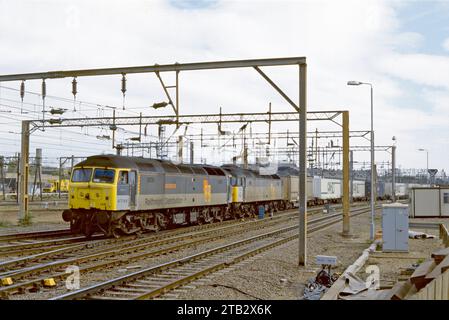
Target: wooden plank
x,y
438,287
411,292
400,289
445,286
418,277
430,288
378,256
440,254
439,269
444,234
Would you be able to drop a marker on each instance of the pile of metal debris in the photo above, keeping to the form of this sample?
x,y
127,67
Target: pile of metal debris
x,y
316,287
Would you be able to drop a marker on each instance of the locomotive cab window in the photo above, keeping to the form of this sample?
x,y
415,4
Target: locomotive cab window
x,y
123,177
103,176
81,175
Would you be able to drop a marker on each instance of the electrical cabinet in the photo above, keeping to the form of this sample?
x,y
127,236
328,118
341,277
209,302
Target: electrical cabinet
x,y
395,227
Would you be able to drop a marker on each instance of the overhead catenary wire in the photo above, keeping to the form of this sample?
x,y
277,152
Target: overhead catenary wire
x,y
85,104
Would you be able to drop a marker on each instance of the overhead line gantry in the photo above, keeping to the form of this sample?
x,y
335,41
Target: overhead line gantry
x,y
300,115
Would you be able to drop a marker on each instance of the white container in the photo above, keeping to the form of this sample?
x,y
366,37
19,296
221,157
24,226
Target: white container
x,y
425,202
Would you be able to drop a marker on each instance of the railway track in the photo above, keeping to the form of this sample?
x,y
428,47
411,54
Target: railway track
x,y
30,242
122,253
6,203
157,280
34,235
21,244
63,232
22,269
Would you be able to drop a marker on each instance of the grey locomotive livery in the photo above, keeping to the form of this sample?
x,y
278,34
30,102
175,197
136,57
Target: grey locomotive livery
x,y
122,195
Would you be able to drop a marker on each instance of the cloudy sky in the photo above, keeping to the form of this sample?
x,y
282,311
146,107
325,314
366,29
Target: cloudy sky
x,y
401,47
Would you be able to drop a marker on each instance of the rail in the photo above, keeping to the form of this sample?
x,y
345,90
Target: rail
x,y
211,266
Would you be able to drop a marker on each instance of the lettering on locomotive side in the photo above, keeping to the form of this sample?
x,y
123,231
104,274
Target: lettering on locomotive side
x,y
154,202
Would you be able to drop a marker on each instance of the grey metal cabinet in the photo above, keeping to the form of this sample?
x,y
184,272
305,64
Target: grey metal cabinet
x,y
395,227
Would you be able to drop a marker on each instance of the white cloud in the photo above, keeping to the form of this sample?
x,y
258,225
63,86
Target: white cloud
x,y
342,41
424,69
446,44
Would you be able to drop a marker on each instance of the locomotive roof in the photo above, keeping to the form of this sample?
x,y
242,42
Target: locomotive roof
x,y
238,171
150,165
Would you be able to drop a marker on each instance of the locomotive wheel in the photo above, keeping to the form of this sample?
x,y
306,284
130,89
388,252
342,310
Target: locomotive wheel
x,y
199,221
161,221
218,216
116,233
206,216
88,229
75,226
89,225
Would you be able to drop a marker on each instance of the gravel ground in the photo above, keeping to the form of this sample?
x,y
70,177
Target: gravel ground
x,y
392,263
90,278
40,220
275,274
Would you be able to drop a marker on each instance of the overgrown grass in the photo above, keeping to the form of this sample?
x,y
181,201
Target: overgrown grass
x,y
26,221
4,224
419,261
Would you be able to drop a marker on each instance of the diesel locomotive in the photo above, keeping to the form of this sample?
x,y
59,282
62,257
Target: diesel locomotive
x,y
118,195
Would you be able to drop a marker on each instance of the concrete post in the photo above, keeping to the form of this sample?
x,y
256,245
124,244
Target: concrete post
x,y
60,177
2,176
351,174
345,198
302,261
180,149
23,214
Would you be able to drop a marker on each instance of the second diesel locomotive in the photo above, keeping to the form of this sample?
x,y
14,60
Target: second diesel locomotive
x,y
123,195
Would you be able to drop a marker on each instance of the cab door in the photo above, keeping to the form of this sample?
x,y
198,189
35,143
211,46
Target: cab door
x,y
132,188
123,191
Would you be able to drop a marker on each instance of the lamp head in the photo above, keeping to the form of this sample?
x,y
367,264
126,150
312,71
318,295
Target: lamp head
x,y
354,83
158,105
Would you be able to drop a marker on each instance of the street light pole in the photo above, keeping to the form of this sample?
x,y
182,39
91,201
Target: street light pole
x,y
372,227
372,168
393,169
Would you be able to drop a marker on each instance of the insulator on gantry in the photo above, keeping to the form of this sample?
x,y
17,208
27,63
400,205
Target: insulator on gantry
x,y
74,92
44,89
44,93
22,90
22,94
74,84
123,88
